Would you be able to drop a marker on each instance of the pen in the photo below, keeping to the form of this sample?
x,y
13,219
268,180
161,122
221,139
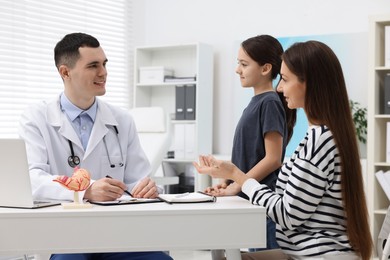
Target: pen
x,y
126,191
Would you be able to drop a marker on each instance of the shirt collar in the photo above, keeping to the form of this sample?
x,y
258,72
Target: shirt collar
x,y
73,111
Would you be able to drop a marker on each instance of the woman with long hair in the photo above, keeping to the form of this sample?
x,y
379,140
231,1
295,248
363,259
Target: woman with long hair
x,y
319,203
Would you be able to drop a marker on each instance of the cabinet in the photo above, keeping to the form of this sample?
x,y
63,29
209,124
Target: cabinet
x,y
377,120
194,135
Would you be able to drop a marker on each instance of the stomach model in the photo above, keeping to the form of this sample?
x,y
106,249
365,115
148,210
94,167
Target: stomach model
x,y
79,181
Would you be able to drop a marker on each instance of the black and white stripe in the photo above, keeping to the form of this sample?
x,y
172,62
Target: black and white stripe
x,y
307,204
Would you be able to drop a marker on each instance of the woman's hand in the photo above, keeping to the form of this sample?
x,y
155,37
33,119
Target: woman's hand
x,y
219,169
217,187
224,190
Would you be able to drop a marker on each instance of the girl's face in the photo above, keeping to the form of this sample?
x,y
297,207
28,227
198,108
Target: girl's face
x,y
250,72
293,90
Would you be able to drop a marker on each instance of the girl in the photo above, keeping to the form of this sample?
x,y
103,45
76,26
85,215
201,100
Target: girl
x,y
319,203
262,134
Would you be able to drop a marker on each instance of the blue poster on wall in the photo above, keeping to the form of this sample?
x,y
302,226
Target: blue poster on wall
x,y
352,52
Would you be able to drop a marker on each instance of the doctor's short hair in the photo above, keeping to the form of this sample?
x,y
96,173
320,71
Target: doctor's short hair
x,y
66,50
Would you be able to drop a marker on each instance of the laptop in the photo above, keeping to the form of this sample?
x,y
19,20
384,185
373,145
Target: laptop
x,y
15,184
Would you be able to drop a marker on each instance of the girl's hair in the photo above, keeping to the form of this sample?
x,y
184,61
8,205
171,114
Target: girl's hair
x,y
327,102
266,49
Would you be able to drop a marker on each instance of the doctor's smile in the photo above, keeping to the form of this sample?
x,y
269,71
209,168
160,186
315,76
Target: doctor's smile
x,y
102,83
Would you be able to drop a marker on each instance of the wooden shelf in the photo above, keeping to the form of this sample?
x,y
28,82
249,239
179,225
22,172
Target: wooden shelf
x,y
194,59
377,121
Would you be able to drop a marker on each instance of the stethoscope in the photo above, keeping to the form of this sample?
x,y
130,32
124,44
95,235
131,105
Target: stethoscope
x,y
74,160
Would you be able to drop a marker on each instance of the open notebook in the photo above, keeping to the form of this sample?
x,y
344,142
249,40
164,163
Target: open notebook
x,y
15,186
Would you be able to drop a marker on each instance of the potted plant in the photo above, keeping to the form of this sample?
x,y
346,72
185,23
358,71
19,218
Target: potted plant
x,y
359,117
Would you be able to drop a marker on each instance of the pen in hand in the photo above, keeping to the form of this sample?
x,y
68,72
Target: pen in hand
x,y
126,191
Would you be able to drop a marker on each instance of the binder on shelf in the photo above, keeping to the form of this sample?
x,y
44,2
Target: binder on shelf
x,y
189,141
180,102
184,141
388,142
185,102
384,181
387,46
190,93
179,137
387,93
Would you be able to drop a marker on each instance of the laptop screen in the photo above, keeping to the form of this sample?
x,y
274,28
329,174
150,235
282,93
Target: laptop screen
x,y
15,185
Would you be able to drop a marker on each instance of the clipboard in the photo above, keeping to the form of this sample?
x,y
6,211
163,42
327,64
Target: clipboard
x,y
125,202
187,197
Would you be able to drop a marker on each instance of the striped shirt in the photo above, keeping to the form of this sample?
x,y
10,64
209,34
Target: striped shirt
x,y
307,203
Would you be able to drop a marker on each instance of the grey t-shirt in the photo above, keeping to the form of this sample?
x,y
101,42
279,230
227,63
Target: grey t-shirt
x,y
264,113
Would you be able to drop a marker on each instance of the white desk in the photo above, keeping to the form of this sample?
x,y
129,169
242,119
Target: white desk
x,y
230,223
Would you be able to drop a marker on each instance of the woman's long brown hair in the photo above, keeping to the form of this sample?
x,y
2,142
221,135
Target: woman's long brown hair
x,y
327,102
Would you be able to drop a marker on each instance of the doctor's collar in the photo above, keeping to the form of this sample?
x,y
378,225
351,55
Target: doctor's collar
x,y
73,111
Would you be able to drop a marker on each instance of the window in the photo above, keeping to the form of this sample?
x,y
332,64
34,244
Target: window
x,y
29,31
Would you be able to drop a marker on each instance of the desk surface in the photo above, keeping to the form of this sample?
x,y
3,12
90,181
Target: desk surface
x,y
143,227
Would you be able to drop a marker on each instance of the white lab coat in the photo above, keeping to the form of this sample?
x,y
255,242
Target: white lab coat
x,y
46,131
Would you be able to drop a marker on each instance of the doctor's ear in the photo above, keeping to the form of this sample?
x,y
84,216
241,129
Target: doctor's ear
x,y
64,72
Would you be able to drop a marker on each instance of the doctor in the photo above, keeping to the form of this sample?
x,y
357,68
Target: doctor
x,y
78,129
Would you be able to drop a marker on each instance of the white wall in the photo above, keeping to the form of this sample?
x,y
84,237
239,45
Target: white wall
x,y
225,23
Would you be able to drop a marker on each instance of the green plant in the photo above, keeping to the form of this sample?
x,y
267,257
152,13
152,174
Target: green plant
x,y
359,116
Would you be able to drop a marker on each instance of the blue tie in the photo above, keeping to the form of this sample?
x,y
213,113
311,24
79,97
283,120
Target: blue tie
x,y
86,124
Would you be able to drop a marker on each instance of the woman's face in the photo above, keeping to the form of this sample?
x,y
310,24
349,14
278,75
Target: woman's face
x,y
293,90
250,72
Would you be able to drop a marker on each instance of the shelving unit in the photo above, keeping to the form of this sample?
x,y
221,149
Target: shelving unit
x,y
186,60
376,138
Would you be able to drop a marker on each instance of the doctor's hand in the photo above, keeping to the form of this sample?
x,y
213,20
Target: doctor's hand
x,y
105,189
220,169
146,188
